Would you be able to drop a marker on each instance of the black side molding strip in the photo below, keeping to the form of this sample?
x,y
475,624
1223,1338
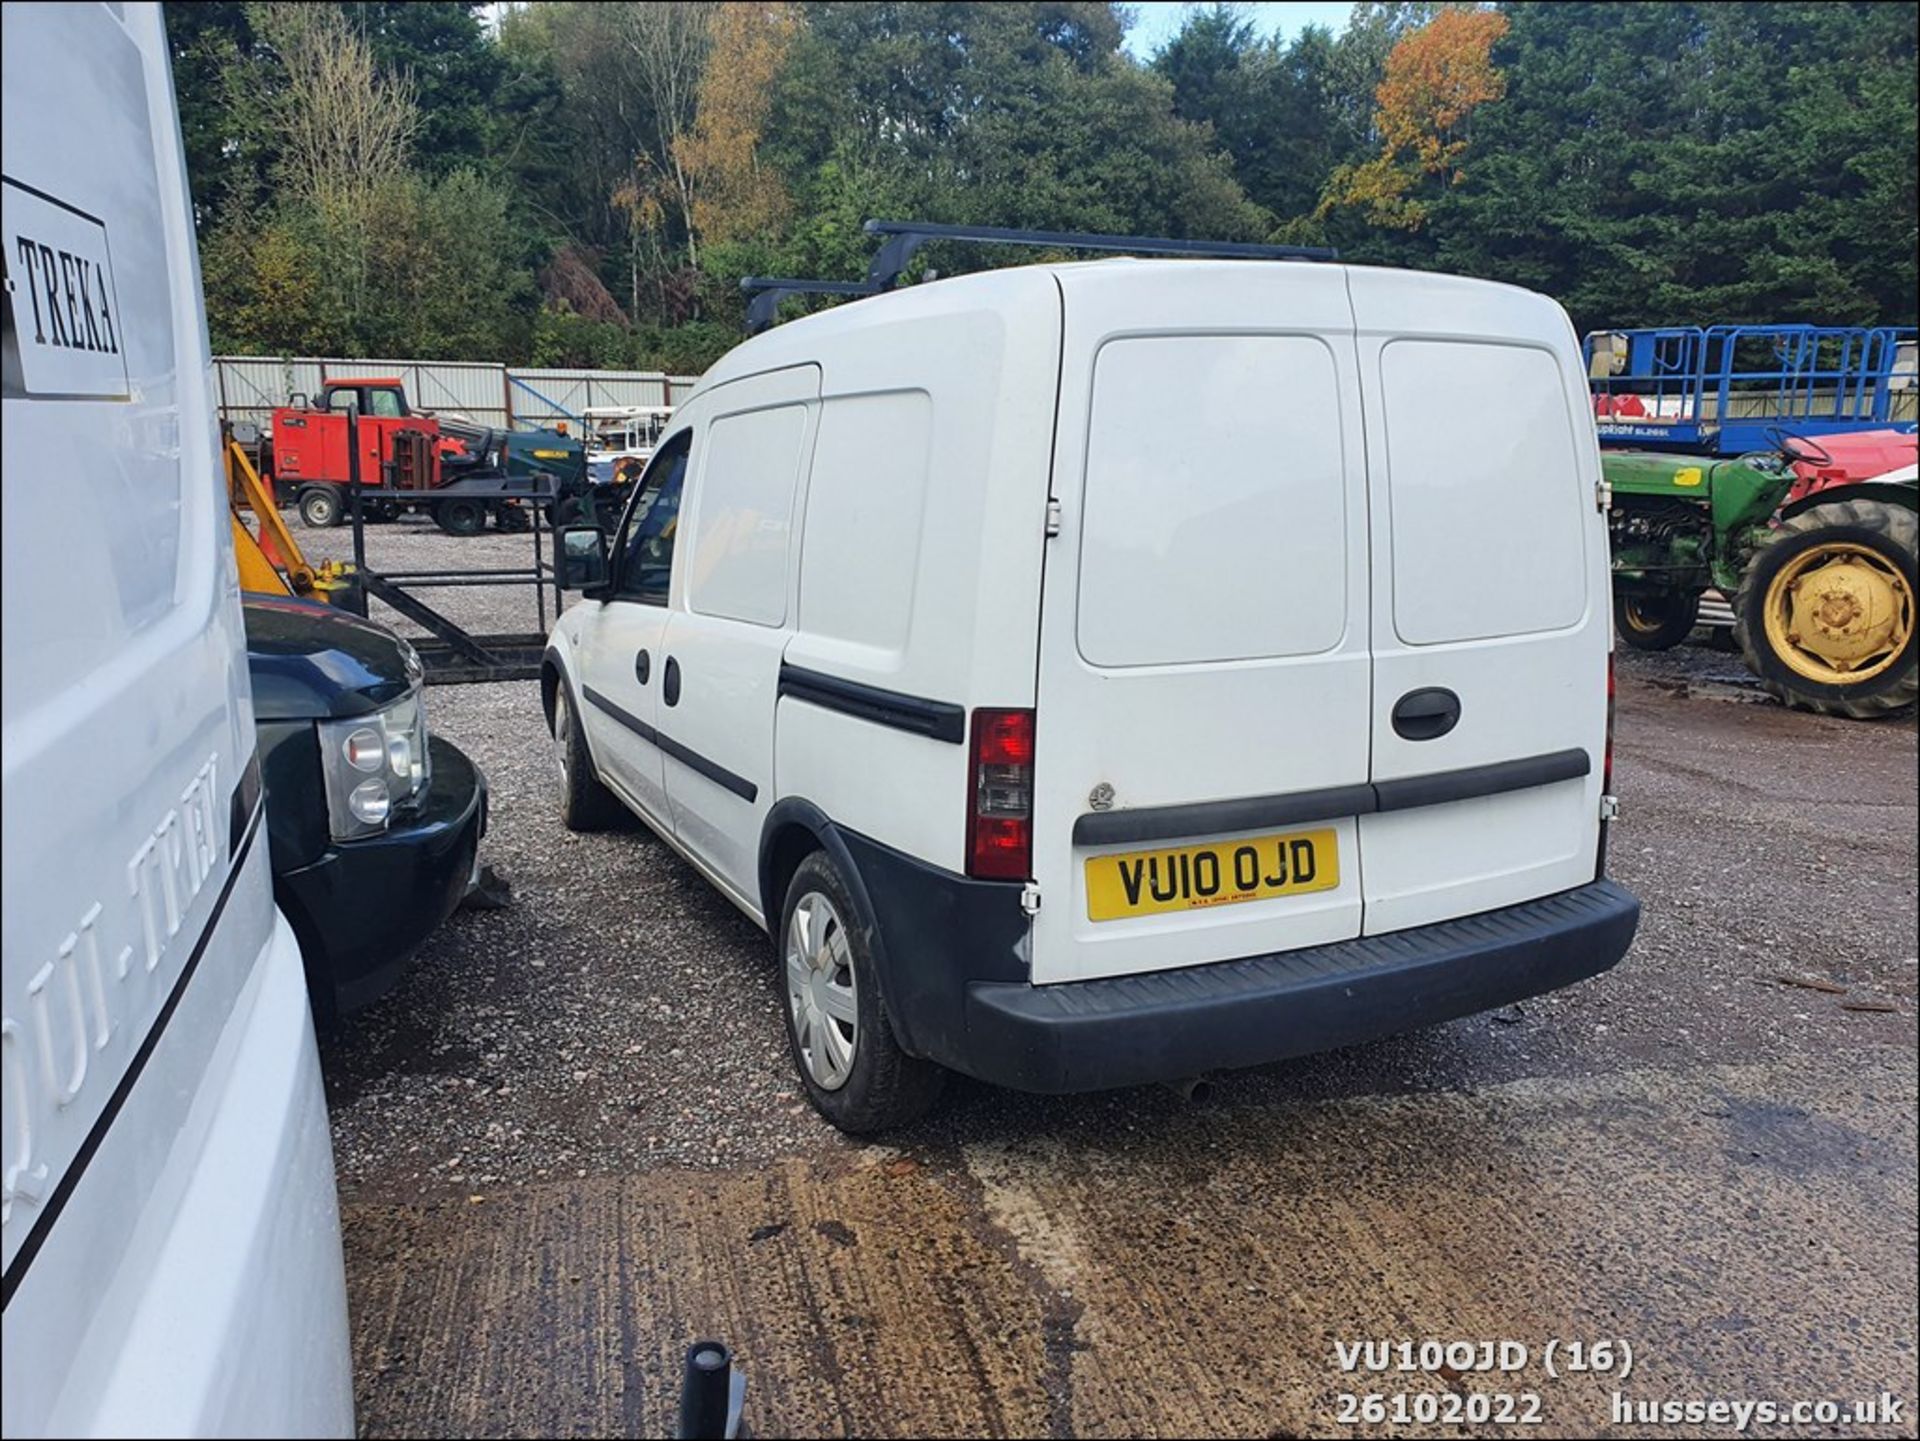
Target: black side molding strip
x,y
1160,823
1490,780
939,720
691,759
241,845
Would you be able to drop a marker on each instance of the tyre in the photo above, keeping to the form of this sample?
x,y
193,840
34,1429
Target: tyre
x,y
1655,622
585,804
510,518
842,1044
321,506
460,517
1825,616
570,511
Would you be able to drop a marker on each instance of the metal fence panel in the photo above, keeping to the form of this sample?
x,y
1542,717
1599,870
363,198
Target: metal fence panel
x,y
250,386
542,397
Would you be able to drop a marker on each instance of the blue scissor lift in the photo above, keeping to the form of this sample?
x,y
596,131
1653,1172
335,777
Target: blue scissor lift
x,y
1732,389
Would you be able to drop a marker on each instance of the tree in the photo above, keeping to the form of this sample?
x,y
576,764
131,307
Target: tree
x,y
1435,78
344,125
224,125
734,194
667,41
1687,164
1268,104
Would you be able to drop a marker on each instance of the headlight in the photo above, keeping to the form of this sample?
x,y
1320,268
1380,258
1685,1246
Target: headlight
x,y
374,765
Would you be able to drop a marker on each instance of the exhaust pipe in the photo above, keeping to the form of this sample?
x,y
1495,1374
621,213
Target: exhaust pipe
x,y
1194,1089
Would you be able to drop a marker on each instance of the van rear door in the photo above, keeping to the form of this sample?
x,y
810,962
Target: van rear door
x,y
1203,689
1489,614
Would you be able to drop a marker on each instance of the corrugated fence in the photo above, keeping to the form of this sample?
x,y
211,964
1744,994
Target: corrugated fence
x,y
250,386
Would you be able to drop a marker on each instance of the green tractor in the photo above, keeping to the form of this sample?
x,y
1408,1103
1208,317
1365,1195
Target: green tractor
x,y
1814,543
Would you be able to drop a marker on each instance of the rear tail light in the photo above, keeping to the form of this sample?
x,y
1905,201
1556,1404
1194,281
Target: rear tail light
x,y
1000,796
1606,770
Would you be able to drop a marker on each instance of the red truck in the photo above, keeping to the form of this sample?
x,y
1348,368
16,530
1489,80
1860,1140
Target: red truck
x,y
458,472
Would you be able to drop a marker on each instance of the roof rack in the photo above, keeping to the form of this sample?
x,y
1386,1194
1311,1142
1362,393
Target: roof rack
x,y
769,290
904,237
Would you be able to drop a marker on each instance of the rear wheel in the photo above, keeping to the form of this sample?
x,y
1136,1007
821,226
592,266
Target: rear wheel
x,y
1826,611
585,804
321,506
853,1069
1655,622
510,516
460,517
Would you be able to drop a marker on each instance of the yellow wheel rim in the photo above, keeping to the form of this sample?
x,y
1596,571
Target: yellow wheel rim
x,y
1840,613
1638,619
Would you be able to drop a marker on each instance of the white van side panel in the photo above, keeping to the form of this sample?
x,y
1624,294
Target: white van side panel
x,y
1154,682
204,1312
732,589
1489,580
866,514
127,710
134,1020
958,504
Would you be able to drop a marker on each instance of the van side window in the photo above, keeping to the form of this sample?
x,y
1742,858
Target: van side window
x,y
742,538
652,525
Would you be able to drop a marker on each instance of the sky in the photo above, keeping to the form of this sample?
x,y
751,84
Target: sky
x,y
1159,20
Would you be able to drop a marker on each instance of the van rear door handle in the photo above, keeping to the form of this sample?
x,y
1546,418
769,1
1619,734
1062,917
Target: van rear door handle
x,y
670,682
1425,714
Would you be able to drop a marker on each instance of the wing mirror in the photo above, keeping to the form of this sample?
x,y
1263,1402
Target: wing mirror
x,y
582,558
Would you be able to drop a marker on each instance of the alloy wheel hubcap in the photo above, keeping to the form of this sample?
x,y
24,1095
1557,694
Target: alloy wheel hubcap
x,y
822,994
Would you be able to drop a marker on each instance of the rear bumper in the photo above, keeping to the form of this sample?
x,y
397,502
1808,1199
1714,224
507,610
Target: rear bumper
x,y
1127,1030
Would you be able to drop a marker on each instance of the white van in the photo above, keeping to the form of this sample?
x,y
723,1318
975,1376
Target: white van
x,y
172,1239
1100,673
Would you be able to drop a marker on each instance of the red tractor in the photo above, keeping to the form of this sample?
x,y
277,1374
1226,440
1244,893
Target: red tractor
x,y
458,472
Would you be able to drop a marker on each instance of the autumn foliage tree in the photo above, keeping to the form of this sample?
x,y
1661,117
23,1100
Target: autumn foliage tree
x,y
1436,77
734,193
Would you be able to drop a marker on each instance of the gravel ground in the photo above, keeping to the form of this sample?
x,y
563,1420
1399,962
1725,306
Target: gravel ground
x,y
620,1013
570,1140
415,543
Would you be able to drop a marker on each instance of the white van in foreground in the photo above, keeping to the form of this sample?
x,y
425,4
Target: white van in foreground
x,y
1093,674
172,1239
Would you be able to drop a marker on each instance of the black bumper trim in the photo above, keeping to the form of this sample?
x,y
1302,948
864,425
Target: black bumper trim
x,y
1476,781
686,755
937,720
1128,1030
1164,823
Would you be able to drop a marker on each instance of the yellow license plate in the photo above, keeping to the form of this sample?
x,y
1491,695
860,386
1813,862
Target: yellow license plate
x,y
1220,873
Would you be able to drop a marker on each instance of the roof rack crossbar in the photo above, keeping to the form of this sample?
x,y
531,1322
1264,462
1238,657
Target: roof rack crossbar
x,y
904,237
769,290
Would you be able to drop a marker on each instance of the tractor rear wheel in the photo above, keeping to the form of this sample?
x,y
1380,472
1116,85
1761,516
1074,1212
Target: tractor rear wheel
x,y
1826,613
460,517
1655,622
321,506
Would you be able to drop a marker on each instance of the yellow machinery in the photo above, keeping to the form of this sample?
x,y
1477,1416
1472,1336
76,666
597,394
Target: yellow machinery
x,y
271,561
